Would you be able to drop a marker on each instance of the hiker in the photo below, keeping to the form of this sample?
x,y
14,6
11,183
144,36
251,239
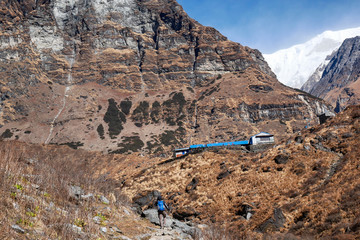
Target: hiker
x,y
161,211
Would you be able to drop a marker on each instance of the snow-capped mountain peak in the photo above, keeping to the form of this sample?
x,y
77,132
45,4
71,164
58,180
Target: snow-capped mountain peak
x,y
293,66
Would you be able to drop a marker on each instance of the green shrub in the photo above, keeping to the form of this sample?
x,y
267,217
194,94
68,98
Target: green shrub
x,y
80,222
155,112
141,113
132,143
102,219
100,130
6,134
73,145
114,118
173,107
19,186
31,214
168,138
24,222
13,195
125,106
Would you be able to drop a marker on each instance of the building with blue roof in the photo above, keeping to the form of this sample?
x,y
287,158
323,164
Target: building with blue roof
x,y
260,138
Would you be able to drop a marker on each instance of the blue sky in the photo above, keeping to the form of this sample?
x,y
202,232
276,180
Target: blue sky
x,y
270,25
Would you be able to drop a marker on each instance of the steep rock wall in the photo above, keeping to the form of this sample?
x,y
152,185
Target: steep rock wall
x,y
339,82
131,75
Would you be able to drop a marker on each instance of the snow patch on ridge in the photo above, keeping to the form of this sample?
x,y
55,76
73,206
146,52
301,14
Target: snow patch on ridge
x,y
293,66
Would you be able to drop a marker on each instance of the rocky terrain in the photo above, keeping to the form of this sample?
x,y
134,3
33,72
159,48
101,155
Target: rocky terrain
x,y
134,76
316,76
51,192
339,84
304,188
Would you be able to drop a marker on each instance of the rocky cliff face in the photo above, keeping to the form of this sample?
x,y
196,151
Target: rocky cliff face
x,y
339,83
316,76
131,75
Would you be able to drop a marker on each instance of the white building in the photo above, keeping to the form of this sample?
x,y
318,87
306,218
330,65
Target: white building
x,y
262,138
181,152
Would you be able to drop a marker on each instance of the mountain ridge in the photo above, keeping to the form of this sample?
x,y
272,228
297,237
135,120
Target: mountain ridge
x,y
125,76
339,84
91,110
293,66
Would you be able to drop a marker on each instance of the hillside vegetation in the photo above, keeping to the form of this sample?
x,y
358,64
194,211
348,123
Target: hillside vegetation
x,y
51,192
306,187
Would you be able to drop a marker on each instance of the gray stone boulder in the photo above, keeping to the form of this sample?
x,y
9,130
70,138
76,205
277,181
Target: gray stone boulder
x,y
104,200
103,230
88,196
18,229
146,198
75,192
176,224
273,223
152,216
281,159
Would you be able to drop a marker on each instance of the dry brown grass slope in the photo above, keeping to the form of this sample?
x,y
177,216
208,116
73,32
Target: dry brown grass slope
x,y
35,201
309,186
305,187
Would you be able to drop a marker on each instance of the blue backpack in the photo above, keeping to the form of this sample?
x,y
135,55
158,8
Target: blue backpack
x,y
161,206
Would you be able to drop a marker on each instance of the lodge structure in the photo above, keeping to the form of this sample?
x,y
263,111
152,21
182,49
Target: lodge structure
x,y
259,139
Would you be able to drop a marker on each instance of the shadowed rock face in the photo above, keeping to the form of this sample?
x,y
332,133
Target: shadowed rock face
x,y
134,75
339,84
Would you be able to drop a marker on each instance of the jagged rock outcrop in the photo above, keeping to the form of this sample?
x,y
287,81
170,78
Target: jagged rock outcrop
x,y
133,45
131,75
339,84
316,76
